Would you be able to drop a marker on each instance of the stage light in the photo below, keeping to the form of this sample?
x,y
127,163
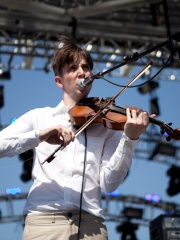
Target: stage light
x,y
174,183
164,149
154,106
5,75
13,120
152,197
172,77
13,191
148,87
27,158
89,47
158,53
1,96
115,193
128,230
131,212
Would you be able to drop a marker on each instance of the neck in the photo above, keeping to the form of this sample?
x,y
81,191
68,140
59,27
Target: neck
x,y
69,104
69,101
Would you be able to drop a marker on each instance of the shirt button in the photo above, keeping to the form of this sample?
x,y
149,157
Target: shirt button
x,y
69,214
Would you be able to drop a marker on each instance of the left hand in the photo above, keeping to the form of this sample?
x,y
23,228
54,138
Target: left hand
x,y
136,124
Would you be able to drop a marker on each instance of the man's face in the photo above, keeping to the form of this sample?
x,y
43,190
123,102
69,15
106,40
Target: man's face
x,y
71,75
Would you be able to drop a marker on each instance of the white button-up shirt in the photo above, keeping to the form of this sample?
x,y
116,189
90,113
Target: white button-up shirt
x,y
57,185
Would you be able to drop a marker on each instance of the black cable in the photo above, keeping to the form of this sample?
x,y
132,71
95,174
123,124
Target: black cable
x,y
82,187
119,85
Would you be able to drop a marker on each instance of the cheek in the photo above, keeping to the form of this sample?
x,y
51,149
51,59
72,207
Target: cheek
x,y
69,83
69,77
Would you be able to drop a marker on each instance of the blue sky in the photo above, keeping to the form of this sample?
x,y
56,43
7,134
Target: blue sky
x,y
29,89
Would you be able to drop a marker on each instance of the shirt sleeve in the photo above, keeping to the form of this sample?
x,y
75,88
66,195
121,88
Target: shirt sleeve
x,y
18,137
116,161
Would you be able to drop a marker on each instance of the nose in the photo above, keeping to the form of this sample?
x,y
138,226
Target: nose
x,y
81,72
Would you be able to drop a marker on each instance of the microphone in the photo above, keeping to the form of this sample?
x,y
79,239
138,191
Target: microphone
x,y
83,83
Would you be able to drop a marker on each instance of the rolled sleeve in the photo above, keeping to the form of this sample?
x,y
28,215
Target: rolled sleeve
x,y
18,137
12,145
119,164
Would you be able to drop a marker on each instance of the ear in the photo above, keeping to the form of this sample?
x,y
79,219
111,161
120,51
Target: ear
x,y
58,81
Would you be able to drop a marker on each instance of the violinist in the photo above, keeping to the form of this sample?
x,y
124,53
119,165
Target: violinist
x,y
64,201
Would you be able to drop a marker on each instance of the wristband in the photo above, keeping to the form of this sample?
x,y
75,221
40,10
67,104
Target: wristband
x,y
37,136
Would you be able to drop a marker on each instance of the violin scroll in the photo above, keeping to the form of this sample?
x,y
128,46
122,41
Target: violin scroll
x,y
172,133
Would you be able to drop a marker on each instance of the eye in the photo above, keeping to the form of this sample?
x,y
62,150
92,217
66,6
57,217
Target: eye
x,y
72,68
86,67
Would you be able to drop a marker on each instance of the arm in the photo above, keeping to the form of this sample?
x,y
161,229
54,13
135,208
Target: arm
x,y
17,138
23,135
116,161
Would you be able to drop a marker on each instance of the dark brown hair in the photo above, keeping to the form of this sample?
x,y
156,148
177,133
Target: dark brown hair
x,y
67,53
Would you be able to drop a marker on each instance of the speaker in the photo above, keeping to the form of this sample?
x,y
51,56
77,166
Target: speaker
x,y
165,227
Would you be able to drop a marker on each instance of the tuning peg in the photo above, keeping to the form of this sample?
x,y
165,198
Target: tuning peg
x,y
168,138
162,131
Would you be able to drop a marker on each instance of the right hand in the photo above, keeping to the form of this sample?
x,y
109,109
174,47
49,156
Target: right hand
x,y
57,135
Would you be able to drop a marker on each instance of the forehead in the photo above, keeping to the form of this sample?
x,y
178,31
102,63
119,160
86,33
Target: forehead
x,y
78,61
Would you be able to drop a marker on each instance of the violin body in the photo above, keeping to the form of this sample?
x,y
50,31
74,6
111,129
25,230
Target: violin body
x,y
112,116
109,117
79,115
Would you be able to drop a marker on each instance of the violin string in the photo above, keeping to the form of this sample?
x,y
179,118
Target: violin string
x,y
113,98
17,164
89,121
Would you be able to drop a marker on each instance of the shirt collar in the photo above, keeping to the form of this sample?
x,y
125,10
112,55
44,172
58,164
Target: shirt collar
x,y
60,108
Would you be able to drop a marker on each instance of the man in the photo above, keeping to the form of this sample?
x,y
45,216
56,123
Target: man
x,y
64,201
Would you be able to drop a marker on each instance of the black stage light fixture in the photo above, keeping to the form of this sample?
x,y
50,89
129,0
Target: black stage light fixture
x,y
154,106
1,96
148,87
174,183
27,159
131,212
127,229
5,75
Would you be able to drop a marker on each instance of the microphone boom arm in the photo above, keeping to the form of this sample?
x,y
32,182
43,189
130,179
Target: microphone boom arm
x,y
136,55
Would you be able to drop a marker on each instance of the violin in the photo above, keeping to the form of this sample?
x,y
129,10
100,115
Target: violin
x,y
112,116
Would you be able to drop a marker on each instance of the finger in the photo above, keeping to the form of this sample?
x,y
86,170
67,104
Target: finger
x,y
61,139
128,113
139,110
153,115
65,139
68,136
134,114
145,118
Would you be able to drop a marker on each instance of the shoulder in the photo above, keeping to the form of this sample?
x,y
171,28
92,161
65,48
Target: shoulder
x,y
37,114
38,111
43,110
